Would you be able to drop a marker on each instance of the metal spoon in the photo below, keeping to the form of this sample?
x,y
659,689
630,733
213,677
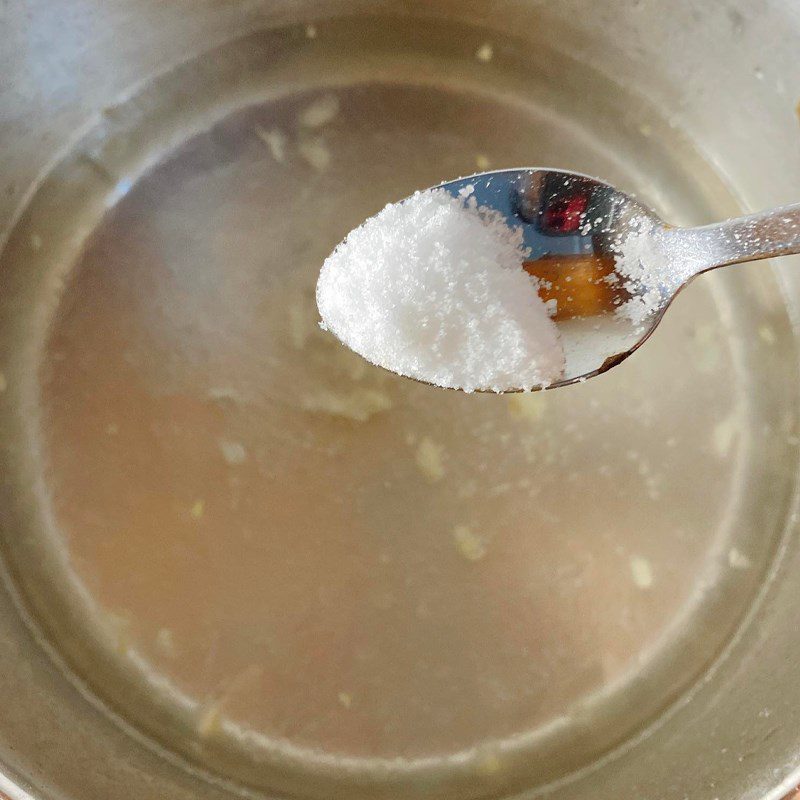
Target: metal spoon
x,y
587,242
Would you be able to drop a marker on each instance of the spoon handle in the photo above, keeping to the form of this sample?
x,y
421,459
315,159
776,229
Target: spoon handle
x,y
763,235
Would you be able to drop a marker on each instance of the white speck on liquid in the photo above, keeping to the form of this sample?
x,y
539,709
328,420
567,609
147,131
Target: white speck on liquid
x,y
315,153
358,404
233,452
724,434
276,142
767,335
209,720
430,459
641,572
488,764
527,406
322,111
226,393
485,53
165,641
470,545
738,560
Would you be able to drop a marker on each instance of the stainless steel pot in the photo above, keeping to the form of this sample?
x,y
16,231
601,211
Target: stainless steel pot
x,y
237,561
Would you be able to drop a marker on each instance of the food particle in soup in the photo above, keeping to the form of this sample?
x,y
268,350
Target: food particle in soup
x,y
469,544
430,458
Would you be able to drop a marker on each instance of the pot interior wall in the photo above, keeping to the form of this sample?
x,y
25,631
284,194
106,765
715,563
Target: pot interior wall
x,y
290,572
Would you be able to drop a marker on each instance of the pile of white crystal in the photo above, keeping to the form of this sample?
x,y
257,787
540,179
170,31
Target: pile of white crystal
x,y
434,288
652,269
646,273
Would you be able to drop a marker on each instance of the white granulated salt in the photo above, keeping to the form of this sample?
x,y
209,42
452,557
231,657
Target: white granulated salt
x,y
433,288
648,275
652,270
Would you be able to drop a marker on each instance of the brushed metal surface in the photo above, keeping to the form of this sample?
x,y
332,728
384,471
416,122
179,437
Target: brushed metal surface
x,y
249,564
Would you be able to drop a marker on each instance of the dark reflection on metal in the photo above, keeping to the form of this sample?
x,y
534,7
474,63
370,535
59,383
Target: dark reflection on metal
x,y
568,223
